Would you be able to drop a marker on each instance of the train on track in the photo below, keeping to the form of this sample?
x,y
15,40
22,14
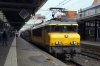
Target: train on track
x,y
58,36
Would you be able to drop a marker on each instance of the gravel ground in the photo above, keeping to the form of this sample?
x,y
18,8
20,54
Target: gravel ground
x,y
86,61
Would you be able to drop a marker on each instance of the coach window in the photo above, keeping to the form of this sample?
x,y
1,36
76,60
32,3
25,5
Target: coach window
x,y
37,32
48,28
26,34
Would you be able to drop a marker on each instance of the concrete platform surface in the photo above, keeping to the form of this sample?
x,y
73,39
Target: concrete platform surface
x,y
22,53
4,51
90,43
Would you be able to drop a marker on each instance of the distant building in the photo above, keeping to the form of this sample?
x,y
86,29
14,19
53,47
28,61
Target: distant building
x,y
95,2
71,14
89,22
68,14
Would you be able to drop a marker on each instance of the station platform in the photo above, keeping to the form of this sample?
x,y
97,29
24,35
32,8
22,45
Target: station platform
x,y
91,43
90,47
4,51
21,53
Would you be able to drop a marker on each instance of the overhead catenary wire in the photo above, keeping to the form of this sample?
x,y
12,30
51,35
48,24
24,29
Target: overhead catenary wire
x,y
67,6
75,3
60,5
65,3
72,4
56,6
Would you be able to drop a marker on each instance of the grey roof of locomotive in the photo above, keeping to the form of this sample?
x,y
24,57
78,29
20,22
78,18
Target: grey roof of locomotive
x,y
57,21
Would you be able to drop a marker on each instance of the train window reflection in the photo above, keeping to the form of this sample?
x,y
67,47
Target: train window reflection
x,y
72,28
47,28
62,28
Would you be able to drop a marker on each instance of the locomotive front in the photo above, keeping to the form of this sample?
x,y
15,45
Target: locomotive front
x,y
63,39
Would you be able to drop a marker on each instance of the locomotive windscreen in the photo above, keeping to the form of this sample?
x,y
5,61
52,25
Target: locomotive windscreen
x,y
62,28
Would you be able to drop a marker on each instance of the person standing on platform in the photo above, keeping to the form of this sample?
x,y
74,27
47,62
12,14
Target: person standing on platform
x,y
4,38
16,33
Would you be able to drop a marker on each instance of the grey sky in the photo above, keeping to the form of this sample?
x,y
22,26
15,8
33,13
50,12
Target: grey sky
x,y
70,5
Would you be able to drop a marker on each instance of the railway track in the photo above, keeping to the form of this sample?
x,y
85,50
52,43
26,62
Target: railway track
x,y
89,54
72,62
68,62
85,61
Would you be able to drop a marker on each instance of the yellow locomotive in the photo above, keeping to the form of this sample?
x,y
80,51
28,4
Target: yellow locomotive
x,y
59,37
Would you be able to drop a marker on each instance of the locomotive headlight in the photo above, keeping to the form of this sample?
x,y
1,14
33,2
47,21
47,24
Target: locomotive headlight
x,y
58,43
73,42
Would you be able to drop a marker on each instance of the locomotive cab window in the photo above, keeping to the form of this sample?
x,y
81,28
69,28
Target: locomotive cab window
x,y
47,28
72,28
61,28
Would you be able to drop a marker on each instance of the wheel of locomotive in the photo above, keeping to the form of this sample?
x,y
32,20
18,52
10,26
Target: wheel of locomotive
x,y
58,55
55,54
72,53
62,56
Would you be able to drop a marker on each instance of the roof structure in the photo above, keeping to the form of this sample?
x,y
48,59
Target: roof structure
x,y
11,9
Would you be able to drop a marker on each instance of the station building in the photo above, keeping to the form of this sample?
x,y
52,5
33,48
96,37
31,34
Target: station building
x,y
89,22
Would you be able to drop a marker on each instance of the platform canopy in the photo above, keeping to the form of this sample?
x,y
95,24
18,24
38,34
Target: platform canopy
x,y
17,12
